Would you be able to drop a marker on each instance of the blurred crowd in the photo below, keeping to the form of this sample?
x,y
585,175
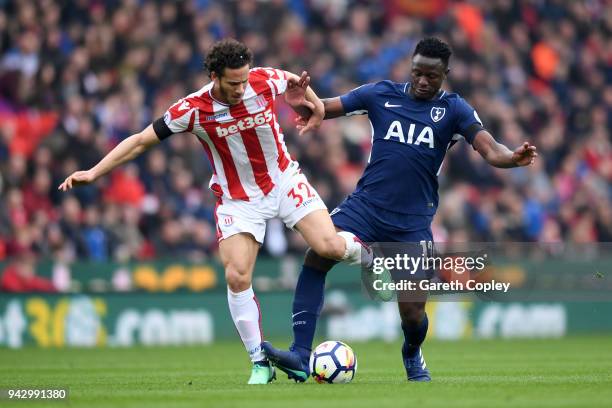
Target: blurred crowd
x,y
77,77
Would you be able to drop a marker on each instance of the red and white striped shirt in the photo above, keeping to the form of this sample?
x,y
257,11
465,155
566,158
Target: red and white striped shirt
x,y
243,142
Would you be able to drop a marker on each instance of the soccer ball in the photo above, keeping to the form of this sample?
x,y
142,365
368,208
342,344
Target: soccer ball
x,y
333,362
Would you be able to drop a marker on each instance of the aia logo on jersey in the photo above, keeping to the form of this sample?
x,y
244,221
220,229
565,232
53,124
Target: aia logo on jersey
x,y
396,133
437,114
246,123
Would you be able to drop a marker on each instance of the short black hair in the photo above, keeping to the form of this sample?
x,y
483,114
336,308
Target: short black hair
x,y
227,53
434,48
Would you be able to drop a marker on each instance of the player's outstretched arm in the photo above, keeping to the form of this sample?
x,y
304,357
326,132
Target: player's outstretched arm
x,y
125,151
333,108
498,155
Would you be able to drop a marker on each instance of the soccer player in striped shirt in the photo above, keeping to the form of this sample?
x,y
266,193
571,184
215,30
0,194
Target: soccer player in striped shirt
x,y
254,177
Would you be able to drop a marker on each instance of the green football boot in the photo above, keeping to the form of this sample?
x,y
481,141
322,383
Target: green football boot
x,y
370,274
369,277
262,373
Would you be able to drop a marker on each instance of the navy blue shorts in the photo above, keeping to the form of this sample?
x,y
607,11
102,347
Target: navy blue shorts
x,y
373,224
390,233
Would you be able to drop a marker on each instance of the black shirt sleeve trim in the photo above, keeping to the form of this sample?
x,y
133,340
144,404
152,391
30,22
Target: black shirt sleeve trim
x,y
161,129
471,131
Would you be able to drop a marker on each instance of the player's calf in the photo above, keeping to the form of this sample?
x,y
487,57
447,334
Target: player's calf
x,y
320,234
330,246
374,281
414,327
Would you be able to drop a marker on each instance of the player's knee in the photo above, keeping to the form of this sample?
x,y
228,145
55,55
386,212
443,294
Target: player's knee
x,y
412,313
237,277
330,246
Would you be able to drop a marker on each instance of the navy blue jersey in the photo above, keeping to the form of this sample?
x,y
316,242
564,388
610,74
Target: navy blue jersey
x,y
410,138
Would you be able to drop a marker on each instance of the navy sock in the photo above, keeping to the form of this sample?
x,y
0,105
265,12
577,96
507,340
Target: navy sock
x,y
307,304
414,336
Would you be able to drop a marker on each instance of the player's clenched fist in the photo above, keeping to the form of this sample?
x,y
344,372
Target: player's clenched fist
x,y
76,179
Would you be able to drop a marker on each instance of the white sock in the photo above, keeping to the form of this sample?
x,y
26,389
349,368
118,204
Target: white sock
x,y
245,312
357,253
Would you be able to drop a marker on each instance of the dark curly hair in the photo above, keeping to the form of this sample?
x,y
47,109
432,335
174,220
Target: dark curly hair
x,y
227,53
434,48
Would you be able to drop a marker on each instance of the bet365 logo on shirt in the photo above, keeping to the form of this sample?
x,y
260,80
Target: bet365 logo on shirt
x,y
246,123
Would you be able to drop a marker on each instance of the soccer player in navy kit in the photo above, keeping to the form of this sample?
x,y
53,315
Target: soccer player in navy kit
x,y
414,124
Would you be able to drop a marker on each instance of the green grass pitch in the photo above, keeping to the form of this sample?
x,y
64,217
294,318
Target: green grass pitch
x,y
571,372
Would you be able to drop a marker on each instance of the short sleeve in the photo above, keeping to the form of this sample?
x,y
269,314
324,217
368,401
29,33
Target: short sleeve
x,y
277,78
180,116
468,122
355,101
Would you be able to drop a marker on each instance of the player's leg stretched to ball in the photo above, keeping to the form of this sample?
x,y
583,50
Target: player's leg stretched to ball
x,y
307,304
241,228
327,247
309,295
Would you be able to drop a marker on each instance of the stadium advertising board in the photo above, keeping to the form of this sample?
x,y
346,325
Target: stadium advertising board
x,y
121,320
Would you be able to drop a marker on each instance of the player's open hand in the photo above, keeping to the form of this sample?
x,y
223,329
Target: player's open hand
x,y
295,95
296,91
524,155
76,179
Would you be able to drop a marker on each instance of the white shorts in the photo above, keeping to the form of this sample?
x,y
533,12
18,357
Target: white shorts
x,y
291,199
